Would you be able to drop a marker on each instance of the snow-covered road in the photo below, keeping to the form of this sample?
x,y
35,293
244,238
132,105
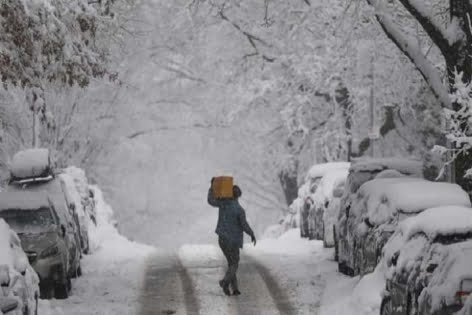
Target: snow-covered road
x,y
285,276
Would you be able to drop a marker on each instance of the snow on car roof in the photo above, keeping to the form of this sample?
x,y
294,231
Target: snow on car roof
x,y
386,196
405,166
23,200
445,220
30,163
329,181
319,170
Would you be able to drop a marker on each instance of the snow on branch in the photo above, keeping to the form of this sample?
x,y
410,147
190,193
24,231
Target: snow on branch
x,y
433,28
459,131
413,51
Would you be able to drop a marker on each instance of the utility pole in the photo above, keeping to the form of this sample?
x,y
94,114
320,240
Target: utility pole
x,y
373,134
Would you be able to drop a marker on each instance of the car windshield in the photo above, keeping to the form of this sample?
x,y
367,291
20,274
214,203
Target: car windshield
x,y
28,221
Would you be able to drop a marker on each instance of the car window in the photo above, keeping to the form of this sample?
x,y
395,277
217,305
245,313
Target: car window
x,y
24,221
453,238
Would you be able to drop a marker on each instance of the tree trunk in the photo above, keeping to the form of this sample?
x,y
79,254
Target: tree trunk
x,y
459,59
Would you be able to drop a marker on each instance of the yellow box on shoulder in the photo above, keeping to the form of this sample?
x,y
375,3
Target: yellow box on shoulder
x,y
223,187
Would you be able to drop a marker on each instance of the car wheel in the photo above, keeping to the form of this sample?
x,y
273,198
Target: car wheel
x,y
61,291
36,305
79,271
46,291
26,310
386,307
341,267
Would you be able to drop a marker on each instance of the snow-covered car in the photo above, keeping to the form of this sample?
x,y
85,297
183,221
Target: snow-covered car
x,y
381,204
321,200
8,305
74,201
306,197
330,217
360,172
26,178
18,279
43,238
428,264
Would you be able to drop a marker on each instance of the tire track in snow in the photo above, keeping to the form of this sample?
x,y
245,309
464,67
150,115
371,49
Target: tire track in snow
x,y
167,289
277,293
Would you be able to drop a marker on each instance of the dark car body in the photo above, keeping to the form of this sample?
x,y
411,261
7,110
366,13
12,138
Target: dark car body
x,y
43,237
54,188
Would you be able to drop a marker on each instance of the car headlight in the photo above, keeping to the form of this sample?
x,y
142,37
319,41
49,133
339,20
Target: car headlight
x,y
465,291
49,252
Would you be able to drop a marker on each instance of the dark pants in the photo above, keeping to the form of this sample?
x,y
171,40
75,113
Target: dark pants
x,y
231,253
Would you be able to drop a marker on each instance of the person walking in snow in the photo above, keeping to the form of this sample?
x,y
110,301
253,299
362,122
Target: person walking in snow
x,y
231,225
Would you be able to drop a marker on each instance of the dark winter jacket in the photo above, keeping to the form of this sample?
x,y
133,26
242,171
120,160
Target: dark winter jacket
x,y
231,220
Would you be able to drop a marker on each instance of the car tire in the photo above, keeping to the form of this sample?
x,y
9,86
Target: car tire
x,y
46,291
61,291
26,310
386,306
79,271
36,304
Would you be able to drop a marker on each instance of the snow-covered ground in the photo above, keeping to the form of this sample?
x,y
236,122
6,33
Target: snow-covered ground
x,y
287,275
112,275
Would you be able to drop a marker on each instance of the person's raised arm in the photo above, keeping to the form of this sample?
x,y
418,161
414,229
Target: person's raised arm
x,y
212,201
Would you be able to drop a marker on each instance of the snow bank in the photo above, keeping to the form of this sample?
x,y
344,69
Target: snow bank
x,y
289,244
446,220
105,238
31,163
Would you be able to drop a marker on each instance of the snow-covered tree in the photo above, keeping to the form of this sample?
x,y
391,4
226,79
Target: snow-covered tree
x,y
50,42
447,26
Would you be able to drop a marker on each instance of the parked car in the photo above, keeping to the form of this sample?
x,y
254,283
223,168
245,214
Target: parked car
x,y
82,186
308,227
18,279
31,171
330,216
33,217
8,305
383,203
74,202
321,200
360,172
428,264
